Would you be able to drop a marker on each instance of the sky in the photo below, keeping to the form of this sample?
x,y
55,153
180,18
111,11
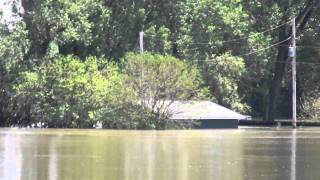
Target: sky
x,y
5,6
6,9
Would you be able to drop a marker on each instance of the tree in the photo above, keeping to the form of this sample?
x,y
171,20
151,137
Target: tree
x,y
223,74
306,10
220,38
308,78
205,25
13,45
206,38
65,92
159,81
72,25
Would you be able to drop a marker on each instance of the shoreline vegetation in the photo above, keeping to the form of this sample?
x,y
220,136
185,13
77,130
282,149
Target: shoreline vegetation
x,y
65,92
72,64
189,125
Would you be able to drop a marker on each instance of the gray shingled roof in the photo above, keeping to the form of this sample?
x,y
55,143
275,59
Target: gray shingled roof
x,y
201,110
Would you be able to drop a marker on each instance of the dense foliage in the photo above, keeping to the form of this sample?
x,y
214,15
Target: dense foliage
x,y
65,92
159,81
74,63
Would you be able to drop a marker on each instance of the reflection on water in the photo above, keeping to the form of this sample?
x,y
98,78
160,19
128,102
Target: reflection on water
x,y
293,154
180,155
52,165
11,157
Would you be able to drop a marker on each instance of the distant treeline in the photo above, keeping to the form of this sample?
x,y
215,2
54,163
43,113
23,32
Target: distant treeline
x,y
75,63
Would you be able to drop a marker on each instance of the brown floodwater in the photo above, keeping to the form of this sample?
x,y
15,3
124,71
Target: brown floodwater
x,y
241,154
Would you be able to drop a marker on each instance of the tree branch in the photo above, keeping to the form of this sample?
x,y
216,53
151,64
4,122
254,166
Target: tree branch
x,y
306,14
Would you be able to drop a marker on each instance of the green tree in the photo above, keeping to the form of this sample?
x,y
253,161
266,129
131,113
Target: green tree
x,y
73,26
308,79
223,74
159,81
13,45
206,24
303,11
211,35
202,32
65,92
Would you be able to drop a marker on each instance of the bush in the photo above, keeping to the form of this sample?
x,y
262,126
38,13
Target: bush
x,y
66,92
311,109
223,74
70,93
158,81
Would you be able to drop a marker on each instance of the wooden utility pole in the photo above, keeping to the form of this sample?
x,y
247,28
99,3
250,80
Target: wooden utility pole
x,y
294,82
141,41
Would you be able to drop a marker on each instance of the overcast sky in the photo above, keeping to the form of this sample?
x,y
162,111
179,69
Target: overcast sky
x,y
6,8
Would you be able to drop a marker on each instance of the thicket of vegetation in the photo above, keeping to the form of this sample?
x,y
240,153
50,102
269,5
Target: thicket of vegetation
x,y
66,91
75,63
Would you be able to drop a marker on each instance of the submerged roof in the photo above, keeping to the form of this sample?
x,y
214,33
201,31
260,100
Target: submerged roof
x,y
201,110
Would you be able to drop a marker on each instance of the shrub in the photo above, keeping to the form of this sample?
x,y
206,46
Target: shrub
x,y
311,109
158,81
70,93
66,92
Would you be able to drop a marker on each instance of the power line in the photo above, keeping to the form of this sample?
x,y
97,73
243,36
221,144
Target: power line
x,y
263,49
247,37
281,62
303,46
266,48
235,40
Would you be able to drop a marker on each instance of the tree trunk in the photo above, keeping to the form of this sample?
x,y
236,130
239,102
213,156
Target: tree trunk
x,y
38,32
280,66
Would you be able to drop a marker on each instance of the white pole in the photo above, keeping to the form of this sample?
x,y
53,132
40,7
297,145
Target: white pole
x,y
141,42
294,85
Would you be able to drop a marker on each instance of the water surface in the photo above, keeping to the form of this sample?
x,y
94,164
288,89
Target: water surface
x,y
241,154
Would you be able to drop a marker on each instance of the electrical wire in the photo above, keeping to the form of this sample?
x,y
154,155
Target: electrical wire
x,y
259,50
303,46
255,60
263,49
276,62
234,40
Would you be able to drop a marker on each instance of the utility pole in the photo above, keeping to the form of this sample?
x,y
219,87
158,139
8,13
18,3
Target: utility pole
x,y
141,41
292,52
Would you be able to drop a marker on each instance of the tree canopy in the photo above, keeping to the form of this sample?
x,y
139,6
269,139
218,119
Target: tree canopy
x,y
70,58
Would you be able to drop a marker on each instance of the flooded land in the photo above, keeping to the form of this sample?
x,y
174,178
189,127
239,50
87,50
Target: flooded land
x,y
239,154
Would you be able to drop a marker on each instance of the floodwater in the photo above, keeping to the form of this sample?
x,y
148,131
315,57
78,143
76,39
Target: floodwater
x,y
242,154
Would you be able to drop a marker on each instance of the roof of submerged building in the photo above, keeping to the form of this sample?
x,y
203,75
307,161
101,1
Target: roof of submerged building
x,y
205,110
